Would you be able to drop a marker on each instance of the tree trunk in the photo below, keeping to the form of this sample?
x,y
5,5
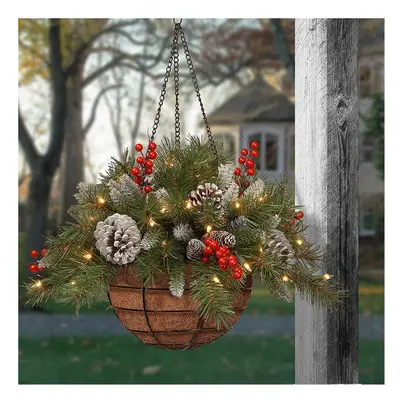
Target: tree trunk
x,y
38,202
72,169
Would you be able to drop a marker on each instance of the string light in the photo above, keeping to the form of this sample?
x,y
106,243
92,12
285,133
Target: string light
x,y
237,204
247,266
261,250
163,210
327,277
101,201
285,278
163,243
87,256
208,228
73,283
151,222
38,284
299,242
91,218
188,205
216,280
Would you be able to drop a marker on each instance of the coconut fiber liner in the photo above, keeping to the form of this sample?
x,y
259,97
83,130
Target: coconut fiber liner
x,y
157,318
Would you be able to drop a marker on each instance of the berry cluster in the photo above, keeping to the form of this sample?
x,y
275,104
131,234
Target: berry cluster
x,y
145,166
248,164
223,254
35,267
297,216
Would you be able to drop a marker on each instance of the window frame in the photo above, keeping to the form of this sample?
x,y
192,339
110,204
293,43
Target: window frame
x,y
264,130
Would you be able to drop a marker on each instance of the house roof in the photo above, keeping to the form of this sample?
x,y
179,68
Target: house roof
x,y
256,102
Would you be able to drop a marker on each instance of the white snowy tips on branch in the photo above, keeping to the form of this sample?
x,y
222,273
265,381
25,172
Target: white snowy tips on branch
x,y
122,191
225,175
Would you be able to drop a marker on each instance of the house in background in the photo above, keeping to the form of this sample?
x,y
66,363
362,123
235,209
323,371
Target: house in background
x,y
264,111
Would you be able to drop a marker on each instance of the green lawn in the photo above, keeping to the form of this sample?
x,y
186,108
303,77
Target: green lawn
x,y
125,360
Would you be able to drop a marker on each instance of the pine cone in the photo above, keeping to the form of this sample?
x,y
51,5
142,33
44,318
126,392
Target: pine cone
x,y
118,239
194,250
279,245
223,238
209,192
239,222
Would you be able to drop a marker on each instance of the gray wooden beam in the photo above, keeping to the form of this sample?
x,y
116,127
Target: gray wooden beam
x,y
327,153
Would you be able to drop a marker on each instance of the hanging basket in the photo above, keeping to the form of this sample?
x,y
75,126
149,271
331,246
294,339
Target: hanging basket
x,y
160,319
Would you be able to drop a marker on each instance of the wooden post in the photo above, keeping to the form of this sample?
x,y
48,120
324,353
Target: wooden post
x,y
327,153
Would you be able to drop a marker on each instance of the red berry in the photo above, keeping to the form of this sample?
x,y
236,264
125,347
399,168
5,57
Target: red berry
x,y
148,189
208,241
33,268
139,147
254,145
233,262
152,155
208,251
292,222
237,182
214,245
244,152
237,273
223,264
148,171
237,171
225,251
135,171
140,160
246,184
218,254
152,146
299,215
250,163
254,153
242,160
251,172
137,180
149,164
34,254
43,252
205,260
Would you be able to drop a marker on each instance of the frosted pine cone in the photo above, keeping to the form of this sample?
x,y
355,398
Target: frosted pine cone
x,y
207,193
194,250
280,246
118,239
239,222
223,238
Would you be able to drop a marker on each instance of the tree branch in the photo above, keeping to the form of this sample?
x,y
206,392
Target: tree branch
x,y
94,107
26,142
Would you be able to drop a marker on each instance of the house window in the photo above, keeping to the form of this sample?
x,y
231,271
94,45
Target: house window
x,y
367,222
367,150
228,142
271,151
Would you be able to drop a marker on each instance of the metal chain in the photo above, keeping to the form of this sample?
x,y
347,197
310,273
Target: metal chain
x,y
174,57
164,87
197,90
176,80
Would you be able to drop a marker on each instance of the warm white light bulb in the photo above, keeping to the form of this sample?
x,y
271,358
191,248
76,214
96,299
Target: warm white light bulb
x,y
247,266
73,283
208,228
38,284
299,242
188,205
163,210
216,280
87,256
327,276
152,222
101,201
285,278
237,204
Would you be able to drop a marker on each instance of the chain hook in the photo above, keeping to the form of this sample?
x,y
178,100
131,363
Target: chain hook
x,y
177,23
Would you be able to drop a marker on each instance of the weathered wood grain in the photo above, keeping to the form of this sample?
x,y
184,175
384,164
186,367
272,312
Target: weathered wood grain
x,y
327,152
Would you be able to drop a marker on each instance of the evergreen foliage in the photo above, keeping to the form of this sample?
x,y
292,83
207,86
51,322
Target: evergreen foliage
x,y
78,274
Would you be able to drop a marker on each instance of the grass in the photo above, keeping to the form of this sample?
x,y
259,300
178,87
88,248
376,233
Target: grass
x,y
371,298
118,360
